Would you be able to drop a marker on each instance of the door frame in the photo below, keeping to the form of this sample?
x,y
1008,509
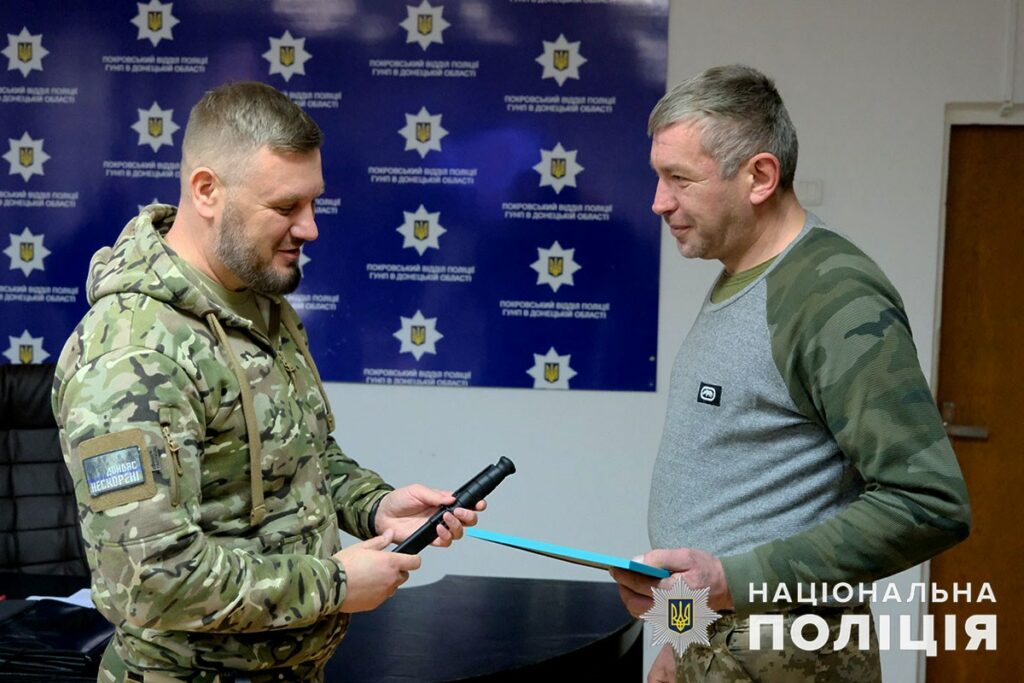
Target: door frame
x,y
957,114
960,114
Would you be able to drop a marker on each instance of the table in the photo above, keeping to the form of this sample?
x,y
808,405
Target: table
x,y
469,629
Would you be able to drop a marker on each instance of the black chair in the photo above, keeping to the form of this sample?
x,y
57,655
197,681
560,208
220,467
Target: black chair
x,y
39,531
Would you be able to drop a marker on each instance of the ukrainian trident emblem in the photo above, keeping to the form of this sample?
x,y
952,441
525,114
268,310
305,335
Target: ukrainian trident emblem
x,y
556,264
155,20
551,372
680,615
557,168
560,59
421,229
424,24
25,52
27,251
418,334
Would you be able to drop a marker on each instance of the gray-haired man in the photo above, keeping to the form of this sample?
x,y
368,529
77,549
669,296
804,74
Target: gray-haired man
x,y
801,446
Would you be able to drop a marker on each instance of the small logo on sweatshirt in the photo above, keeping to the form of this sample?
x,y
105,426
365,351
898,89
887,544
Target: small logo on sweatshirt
x,y
710,394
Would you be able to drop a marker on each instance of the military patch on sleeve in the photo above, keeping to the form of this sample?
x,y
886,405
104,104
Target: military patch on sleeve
x,y
117,469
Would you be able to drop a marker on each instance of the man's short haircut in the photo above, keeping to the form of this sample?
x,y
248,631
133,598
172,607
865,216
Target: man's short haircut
x,y
740,113
232,121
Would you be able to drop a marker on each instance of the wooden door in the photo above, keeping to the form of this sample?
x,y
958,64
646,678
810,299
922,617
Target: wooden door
x,y
981,371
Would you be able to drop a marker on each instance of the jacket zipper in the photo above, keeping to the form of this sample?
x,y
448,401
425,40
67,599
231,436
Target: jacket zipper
x,y
288,367
176,469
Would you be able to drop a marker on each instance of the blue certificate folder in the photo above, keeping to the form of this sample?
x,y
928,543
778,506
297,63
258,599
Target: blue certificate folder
x,y
560,552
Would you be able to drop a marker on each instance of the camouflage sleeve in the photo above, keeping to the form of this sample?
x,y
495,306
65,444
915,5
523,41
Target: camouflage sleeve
x,y
842,343
355,491
152,564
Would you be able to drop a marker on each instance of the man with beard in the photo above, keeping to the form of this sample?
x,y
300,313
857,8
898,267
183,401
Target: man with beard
x,y
198,433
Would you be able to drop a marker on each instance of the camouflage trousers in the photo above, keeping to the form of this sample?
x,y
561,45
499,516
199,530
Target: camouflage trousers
x,y
729,659
114,670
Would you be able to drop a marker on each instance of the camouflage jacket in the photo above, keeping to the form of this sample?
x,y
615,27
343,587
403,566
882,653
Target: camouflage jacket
x,y
164,400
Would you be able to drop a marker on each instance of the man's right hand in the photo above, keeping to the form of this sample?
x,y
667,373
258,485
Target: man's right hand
x,y
373,574
664,668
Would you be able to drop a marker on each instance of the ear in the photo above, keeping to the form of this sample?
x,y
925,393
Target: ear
x,y
765,171
206,191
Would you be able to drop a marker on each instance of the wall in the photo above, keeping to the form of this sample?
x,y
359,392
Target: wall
x,y
866,84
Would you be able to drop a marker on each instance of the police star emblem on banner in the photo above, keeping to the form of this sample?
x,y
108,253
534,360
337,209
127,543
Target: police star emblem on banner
x,y
551,371
555,266
155,21
25,350
680,616
561,60
423,132
421,230
424,25
558,168
287,56
25,52
26,252
26,157
155,127
418,335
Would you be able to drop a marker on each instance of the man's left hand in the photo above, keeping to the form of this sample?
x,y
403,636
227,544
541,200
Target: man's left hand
x,y
696,567
406,509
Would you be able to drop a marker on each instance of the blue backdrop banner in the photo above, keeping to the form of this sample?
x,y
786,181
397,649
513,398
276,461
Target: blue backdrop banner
x,y
487,216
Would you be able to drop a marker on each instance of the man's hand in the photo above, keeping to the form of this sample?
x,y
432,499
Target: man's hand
x,y
405,510
373,574
664,668
696,567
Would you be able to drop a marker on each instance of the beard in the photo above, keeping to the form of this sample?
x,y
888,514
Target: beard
x,y
240,256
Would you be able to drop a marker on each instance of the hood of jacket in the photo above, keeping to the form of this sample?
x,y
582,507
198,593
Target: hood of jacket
x,y
141,262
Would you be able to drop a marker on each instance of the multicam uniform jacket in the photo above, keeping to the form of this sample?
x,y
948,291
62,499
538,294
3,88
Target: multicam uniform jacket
x,y
165,402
